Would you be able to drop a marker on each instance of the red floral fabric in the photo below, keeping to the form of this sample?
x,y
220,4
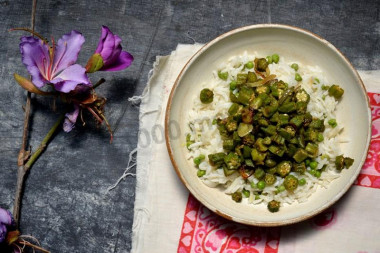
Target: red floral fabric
x,y
370,173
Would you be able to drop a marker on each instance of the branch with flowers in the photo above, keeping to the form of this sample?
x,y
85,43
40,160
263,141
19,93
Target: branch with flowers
x,y
54,72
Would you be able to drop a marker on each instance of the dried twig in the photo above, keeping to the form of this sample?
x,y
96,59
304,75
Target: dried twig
x,y
23,154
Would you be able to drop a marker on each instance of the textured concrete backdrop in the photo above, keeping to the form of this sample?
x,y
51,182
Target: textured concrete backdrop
x,y
65,204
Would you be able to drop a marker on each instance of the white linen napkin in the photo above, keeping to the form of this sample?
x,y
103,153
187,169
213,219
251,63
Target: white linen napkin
x,y
168,219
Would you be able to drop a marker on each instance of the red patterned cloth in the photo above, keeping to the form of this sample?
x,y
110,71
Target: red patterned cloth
x,y
204,231
169,219
370,173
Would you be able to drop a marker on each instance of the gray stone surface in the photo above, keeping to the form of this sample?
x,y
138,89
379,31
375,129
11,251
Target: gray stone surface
x,y
65,204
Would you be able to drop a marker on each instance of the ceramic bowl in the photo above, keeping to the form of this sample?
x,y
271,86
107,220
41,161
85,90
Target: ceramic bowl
x,y
294,43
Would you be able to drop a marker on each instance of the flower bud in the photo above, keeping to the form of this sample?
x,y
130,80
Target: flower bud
x,y
108,54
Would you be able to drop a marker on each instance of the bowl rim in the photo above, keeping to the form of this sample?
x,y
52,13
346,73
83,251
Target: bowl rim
x,y
274,223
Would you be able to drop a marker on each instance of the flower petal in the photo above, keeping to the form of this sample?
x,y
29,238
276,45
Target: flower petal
x,y
3,232
69,78
29,39
5,217
81,90
70,119
115,53
66,51
125,59
106,43
35,56
105,31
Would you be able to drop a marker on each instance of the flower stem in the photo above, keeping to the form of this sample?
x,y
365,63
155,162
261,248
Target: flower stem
x,y
23,169
102,80
44,143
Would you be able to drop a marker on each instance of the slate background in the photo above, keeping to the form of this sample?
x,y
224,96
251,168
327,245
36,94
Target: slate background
x,y
65,204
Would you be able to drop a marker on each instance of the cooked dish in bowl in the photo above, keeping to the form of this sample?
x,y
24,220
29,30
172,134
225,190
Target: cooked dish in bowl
x,y
264,130
238,130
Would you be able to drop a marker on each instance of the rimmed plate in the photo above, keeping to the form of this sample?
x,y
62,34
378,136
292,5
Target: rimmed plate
x,y
294,43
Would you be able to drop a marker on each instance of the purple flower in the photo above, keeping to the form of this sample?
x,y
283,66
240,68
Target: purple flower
x,y
6,220
109,55
70,119
55,65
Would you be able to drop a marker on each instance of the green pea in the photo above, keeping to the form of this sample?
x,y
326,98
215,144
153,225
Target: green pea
x,y
201,173
261,185
253,185
332,123
302,181
307,162
320,137
313,165
317,174
275,58
249,65
223,75
298,77
269,59
233,85
246,193
281,188
214,121
199,159
294,66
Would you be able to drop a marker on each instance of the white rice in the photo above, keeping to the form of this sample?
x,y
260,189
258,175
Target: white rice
x,y
208,140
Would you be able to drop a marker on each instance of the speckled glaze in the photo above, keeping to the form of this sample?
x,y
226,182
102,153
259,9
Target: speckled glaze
x,y
296,44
